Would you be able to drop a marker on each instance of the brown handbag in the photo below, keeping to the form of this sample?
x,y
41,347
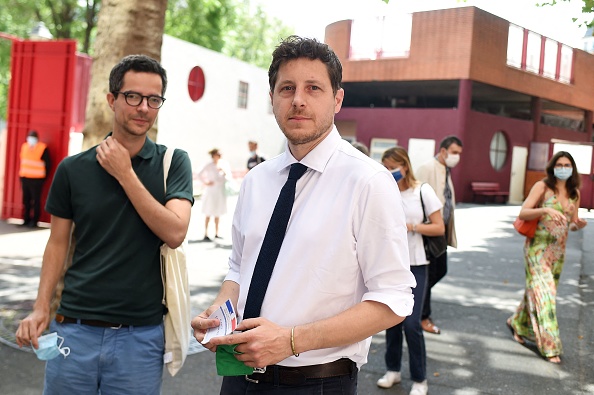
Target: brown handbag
x,y
526,228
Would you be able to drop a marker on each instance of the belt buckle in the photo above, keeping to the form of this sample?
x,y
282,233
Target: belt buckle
x,y
256,370
116,327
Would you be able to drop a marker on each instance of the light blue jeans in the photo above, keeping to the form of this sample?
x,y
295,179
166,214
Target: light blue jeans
x,y
106,361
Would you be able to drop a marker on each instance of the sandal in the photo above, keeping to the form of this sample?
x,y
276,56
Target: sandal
x,y
554,359
516,337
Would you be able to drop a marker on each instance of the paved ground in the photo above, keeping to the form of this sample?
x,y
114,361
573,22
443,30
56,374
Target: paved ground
x,y
473,355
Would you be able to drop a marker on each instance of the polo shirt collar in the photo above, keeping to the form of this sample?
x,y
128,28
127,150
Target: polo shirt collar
x,y
318,158
148,150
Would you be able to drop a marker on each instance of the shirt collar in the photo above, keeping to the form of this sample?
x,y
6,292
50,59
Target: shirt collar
x,y
147,151
318,158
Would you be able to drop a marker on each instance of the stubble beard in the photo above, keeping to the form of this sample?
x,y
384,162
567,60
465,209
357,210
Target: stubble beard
x,y
303,136
135,131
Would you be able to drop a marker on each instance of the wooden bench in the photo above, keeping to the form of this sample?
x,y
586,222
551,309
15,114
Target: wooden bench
x,y
489,191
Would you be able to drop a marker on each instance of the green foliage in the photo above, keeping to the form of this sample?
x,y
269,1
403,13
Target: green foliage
x,y
227,26
253,36
202,22
587,8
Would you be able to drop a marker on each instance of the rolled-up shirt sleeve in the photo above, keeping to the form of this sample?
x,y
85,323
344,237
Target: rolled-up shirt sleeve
x,y
382,248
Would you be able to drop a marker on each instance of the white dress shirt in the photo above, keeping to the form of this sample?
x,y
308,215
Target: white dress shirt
x,y
345,242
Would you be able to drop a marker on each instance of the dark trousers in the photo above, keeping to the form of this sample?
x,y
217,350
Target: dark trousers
x,y
32,199
437,270
341,385
412,330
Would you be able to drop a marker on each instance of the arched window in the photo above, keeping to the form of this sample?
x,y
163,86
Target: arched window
x,y
498,150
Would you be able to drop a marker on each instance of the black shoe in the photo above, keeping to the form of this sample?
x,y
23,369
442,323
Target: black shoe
x,y
32,225
206,238
24,224
218,237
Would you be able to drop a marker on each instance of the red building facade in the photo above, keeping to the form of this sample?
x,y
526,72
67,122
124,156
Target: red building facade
x,y
466,72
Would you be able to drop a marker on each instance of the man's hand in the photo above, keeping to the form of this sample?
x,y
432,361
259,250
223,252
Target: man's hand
x,y
31,328
114,158
201,324
262,343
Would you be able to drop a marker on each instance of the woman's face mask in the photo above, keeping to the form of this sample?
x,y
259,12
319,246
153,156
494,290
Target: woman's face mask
x,y
397,174
563,173
49,347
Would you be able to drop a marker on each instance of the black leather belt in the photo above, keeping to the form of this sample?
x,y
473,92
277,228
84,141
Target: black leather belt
x,y
103,324
297,375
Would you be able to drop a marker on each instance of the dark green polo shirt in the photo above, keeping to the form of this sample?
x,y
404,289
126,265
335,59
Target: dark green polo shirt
x,y
115,275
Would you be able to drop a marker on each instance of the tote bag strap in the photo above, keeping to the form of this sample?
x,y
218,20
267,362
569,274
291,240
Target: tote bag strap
x,y
422,204
166,165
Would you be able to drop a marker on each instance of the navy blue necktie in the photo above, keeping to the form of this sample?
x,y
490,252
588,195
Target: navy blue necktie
x,y
275,233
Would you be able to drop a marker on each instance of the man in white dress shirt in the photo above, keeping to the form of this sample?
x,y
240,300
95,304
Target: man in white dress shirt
x,y
342,274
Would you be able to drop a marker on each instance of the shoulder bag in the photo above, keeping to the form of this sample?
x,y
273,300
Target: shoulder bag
x,y
176,297
435,246
527,227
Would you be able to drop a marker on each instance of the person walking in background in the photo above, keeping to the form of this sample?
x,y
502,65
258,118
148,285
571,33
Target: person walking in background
x,y
214,199
436,173
254,158
113,201
341,274
396,160
554,201
34,166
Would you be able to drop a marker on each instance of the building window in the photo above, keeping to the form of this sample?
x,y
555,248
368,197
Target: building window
x,y
533,52
515,39
381,37
556,62
498,150
196,83
566,65
242,97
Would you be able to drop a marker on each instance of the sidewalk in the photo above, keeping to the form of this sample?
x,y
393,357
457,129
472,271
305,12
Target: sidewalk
x,y
475,353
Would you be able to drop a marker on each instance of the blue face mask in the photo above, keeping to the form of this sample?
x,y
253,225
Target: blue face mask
x,y
563,173
397,174
49,347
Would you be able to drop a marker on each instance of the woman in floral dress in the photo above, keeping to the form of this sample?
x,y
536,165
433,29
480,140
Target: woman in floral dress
x,y
554,201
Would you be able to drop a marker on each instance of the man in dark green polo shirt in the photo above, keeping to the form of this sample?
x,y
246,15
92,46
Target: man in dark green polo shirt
x,y
110,315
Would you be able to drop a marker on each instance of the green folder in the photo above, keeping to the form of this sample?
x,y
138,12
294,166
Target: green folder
x,y
227,364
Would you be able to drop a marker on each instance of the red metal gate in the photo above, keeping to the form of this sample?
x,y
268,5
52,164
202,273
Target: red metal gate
x,y
48,93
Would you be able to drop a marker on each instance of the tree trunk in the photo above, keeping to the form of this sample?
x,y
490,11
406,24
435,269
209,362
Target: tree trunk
x,y
124,27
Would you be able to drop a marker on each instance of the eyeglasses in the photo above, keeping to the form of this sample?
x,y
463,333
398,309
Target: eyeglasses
x,y
134,99
561,165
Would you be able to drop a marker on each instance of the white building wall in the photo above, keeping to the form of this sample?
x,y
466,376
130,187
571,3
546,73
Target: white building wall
x,y
215,120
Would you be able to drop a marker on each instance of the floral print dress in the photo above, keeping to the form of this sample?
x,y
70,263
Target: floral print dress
x,y
544,255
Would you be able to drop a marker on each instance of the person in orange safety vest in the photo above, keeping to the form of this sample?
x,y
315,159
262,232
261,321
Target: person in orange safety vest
x,y
35,164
